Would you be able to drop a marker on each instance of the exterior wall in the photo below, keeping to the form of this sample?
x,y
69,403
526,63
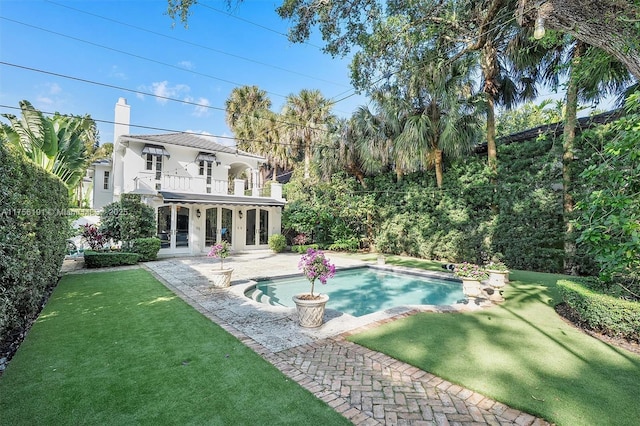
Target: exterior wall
x,y
180,171
101,196
197,244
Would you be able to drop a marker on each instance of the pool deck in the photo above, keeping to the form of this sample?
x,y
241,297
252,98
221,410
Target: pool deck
x,y
367,387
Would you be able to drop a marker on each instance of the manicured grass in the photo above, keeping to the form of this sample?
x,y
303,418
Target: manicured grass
x,y
522,354
409,262
115,348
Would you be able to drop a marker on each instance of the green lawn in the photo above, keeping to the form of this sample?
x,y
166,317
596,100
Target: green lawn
x,y
114,348
522,354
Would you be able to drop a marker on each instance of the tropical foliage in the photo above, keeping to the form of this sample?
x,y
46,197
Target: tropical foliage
x,y
609,224
57,144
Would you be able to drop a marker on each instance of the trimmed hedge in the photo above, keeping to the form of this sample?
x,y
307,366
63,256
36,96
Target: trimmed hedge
x,y
147,248
33,233
94,259
606,314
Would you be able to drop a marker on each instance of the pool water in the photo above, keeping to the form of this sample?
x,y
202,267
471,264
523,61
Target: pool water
x,y
363,291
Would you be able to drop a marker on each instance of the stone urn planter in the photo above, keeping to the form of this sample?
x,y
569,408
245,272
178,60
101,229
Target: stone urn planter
x,y
221,278
310,309
471,287
498,279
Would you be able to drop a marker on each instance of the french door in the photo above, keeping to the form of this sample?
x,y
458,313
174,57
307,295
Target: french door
x,y
173,227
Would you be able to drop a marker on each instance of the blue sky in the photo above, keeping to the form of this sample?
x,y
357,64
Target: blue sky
x,y
132,45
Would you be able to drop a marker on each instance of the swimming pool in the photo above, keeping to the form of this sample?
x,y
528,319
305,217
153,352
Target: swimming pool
x,y
361,291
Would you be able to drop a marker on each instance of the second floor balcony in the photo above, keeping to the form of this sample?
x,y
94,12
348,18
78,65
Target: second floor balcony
x,y
150,181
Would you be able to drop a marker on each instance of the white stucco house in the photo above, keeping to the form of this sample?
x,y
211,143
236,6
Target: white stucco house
x,y
203,192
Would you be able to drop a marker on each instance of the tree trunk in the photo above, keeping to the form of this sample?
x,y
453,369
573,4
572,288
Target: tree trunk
x,y
569,137
610,25
490,70
438,166
399,173
275,172
492,150
307,159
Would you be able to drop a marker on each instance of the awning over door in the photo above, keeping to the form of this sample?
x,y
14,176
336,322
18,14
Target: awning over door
x,y
187,198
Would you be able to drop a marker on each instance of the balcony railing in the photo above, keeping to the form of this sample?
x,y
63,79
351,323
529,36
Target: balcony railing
x,y
169,182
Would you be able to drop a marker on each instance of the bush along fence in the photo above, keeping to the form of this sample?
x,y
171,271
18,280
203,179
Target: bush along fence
x,y
33,233
603,313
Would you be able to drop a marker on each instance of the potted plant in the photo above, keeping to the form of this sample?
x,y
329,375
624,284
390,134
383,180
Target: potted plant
x,y
310,306
220,277
498,273
471,275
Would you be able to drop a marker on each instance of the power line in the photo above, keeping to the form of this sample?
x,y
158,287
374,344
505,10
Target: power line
x,y
253,23
161,129
138,92
198,45
132,54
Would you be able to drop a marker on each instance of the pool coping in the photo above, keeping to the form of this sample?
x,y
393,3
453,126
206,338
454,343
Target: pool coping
x,y
337,322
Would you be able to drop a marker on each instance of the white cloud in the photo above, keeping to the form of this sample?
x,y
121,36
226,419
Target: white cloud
x,y
116,73
54,88
44,100
186,64
162,89
202,109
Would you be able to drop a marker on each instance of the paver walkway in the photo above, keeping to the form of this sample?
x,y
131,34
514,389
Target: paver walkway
x,y
365,386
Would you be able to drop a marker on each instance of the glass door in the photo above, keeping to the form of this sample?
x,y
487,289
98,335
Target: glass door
x,y
226,225
264,227
182,226
211,233
251,228
164,226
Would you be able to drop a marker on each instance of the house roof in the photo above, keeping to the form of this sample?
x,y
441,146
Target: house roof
x,y
555,129
190,140
184,197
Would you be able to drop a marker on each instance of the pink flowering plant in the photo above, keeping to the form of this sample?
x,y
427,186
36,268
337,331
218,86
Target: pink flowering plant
x,y
219,250
470,271
300,239
315,265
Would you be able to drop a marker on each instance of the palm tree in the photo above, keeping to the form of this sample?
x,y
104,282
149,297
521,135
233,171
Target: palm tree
x,y
443,118
244,109
268,130
307,116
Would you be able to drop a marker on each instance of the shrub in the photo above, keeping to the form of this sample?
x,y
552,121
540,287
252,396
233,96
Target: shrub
x,y
277,243
303,248
606,314
147,248
128,219
346,244
94,259
33,232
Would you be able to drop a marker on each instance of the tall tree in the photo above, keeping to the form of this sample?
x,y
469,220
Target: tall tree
x,y
443,117
307,117
245,109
